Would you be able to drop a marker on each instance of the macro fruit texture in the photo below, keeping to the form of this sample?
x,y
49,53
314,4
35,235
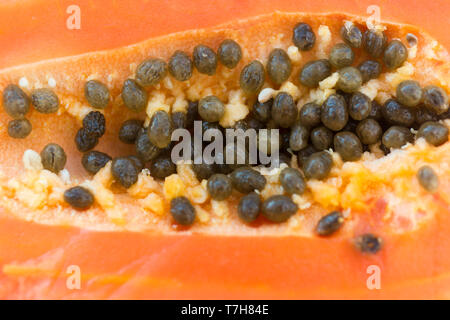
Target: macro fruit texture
x,y
158,266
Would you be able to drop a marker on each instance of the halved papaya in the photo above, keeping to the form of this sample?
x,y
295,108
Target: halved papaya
x,y
127,245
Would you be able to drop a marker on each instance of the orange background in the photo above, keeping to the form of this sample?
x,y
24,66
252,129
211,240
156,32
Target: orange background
x,y
41,24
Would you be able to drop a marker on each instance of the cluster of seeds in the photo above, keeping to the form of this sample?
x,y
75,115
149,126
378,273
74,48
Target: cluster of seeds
x,y
348,122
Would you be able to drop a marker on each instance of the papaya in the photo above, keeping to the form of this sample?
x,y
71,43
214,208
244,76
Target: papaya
x,y
373,225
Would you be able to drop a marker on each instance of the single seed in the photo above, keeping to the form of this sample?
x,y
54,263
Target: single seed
x,y
279,66
160,129
299,137
304,154
409,93
396,113
368,243
19,128
318,165
350,79
313,72
436,99
134,96
94,123
370,69
303,37
411,39
252,77
79,198
229,53
310,114
246,180
428,179
53,157
434,133
374,42
321,138
211,109
284,110
395,54
219,186
249,207
203,171
129,130
360,106
341,55
396,137
96,94
330,223
261,111
45,100
85,140
150,72
144,148
124,171
180,66
182,211
278,208
205,60
93,161
292,181
369,131
348,146
352,35
334,113
15,101
162,167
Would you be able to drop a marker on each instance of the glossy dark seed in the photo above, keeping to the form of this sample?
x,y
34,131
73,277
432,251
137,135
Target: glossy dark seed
x,y
137,162
434,133
219,186
94,123
182,211
374,42
368,243
303,37
318,165
278,66
134,96
15,102
53,157
246,180
96,94
205,60
341,55
180,66
370,69
304,154
160,129
261,111
124,171
203,170
376,112
229,53
352,35
93,161
150,72
85,140
249,207
19,128
350,79
278,208
45,100
428,179
411,39
369,131
284,110
310,114
299,137
144,148
348,146
409,93
423,114
360,106
292,181
129,131
396,137
330,223
211,109
79,198
252,77
321,138
396,113
395,54
313,72
435,98
162,167
334,113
